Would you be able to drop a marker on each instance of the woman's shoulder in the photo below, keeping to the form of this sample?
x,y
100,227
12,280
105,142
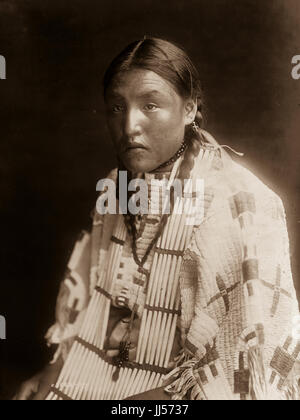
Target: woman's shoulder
x,y
242,189
243,179
112,174
227,181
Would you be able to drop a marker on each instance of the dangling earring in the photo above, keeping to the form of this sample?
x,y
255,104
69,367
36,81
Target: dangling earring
x,y
195,127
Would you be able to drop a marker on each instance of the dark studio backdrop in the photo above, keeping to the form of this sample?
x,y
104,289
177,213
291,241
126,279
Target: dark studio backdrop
x,y
54,145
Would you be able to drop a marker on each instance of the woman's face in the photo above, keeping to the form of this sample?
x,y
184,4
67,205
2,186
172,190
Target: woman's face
x,y
146,118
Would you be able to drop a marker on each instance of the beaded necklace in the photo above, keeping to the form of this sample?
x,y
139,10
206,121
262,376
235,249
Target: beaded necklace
x,y
177,155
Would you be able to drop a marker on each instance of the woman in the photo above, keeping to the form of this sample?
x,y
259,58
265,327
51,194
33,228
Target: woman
x,y
155,306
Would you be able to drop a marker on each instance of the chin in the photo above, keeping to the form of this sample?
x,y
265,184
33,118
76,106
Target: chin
x,y
136,166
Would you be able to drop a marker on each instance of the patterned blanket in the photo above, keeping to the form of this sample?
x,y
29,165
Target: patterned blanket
x,y
239,307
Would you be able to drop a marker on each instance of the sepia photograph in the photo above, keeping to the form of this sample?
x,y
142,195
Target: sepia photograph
x,y
150,202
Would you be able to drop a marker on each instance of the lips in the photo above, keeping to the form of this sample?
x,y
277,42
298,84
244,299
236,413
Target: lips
x,y
133,146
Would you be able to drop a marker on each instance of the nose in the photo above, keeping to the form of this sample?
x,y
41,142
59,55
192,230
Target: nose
x,y
132,123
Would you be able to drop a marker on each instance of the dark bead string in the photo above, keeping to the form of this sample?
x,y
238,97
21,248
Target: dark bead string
x,y
177,155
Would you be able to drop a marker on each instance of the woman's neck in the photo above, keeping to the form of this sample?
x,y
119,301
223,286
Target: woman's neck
x,y
163,170
168,165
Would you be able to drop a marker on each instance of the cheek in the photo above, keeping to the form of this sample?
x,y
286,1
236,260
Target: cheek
x,y
166,125
115,129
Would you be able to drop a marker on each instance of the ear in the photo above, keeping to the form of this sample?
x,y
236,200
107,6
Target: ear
x,y
190,111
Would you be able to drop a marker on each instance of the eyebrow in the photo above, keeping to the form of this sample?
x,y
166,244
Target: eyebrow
x,y
150,92
145,94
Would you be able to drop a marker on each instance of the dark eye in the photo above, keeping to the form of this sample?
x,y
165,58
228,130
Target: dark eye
x,y
117,108
150,107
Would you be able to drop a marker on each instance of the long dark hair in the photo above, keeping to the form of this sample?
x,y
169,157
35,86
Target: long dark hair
x,y
166,59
